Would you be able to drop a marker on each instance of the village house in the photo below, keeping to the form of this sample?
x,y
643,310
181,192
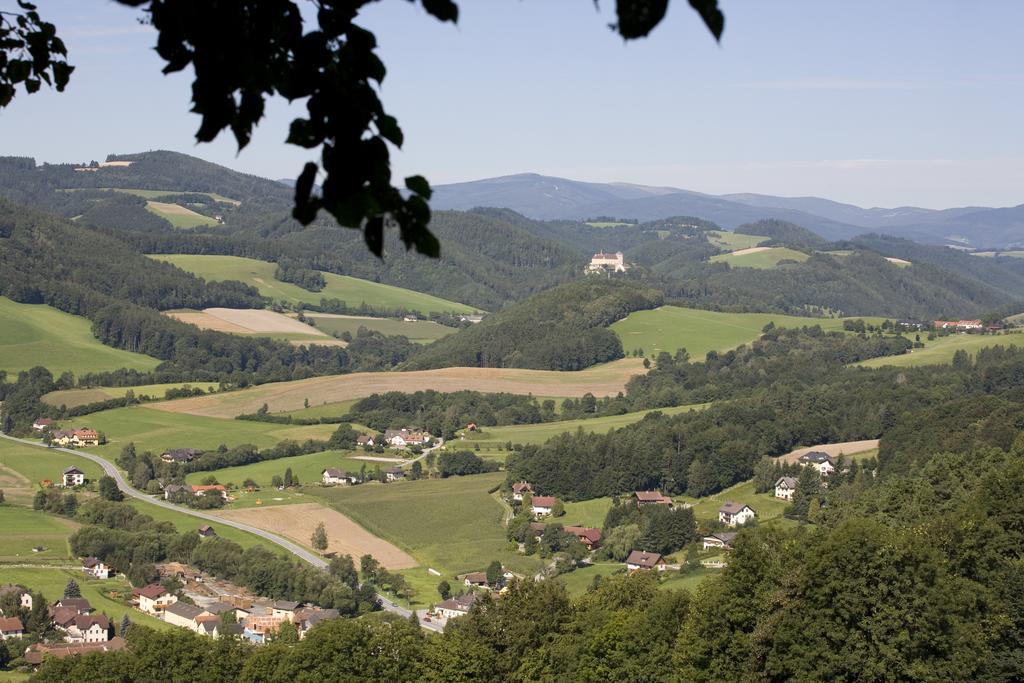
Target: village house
x,y
42,424
735,514
394,474
519,489
472,318
456,606
333,476
37,652
203,489
476,580
88,628
541,506
308,618
206,531
401,438
210,625
651,498
180,455
410,318
785,487
588,536
185,615
154,598
365,440
96,568
601,261
11,627
969,325
78,605
171,489
641,560
23,596
824,463
72,476
258,629
76,437
284,609
719,539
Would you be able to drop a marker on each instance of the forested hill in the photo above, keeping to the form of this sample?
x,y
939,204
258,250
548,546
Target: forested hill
x,y
564,328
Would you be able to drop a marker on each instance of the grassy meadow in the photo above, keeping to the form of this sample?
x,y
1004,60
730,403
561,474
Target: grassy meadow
x,y
940,350
186,523
36,334
23,467
179,216
352,291
421,331
769,258
79,397
22,529
306,467
733,241
670,328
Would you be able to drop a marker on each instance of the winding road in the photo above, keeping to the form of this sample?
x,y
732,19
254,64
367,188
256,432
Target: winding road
x,y
128,490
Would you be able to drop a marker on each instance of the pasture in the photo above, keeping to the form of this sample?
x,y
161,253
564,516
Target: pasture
x,y
106,596
766,505
157,430
31,465
345,537
759,257
670,328
586,512
733,241
22,529
452,525
601,380
186,523
330,410
179,216
940,350
36,334
353,291
306,467
421,331
79,397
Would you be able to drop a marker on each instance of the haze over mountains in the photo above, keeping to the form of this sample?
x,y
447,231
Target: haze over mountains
x,y
547,197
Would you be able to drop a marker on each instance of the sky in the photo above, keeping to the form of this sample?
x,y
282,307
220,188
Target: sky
x,y
876,103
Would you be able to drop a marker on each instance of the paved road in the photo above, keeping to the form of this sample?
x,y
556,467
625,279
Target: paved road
x,y
128,490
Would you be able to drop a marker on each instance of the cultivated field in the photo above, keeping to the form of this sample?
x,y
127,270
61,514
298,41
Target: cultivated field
x,y
179,216
80,397
344,536
158,430
757,257
306,467
257,322
421,331
539,433
352,291
732,240
940,350
860,449
602,380
452,525
22,529
670,328
36,334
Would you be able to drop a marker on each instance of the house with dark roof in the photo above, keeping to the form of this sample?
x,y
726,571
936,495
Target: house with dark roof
x,y
72,476
719,539
477,579
307,618
456,607
284,609
823,463
365,440
88,628
96,568
643,498
641,560
735,514
171,489
588,536
185,615
394,474
180,455
80,605
785,487
206,531
333,476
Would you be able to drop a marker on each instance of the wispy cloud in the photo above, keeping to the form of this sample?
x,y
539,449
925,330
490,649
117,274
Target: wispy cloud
x,y
833,84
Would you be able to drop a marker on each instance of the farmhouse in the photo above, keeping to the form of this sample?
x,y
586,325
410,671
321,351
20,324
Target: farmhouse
x,y
180,455
96,568
154,598
600,261
88,628
720,539
785,487
520,488
42,424
11,627
472,318
641,560
333,476
72,476
457,606
36,653
410,318
365,440
76,437
308,618
171,489
203,489
400,438
969,325
477,579
651,498
588,536
735,514
185,615
542,506
207,531
394,473
824,463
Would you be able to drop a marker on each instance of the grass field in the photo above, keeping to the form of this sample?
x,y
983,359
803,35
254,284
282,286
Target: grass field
x,y
452,525
422,331
765,505
79,397
36,334
335,409
733,241
306,467
22,529
352,291
51,582
23,467
157,430
941,350
670,328
186,523
179,216
586,513
768,258
601,380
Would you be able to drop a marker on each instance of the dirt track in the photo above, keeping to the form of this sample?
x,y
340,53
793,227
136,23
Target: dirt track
x,y
344,536
603,380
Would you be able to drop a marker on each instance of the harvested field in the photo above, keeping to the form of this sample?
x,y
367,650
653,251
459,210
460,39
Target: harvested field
x,y
750,250
344,536
602,380
179,216
256,321
206,322
897,261
845,448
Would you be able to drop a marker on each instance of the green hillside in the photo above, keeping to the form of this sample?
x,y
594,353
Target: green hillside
x,y
733,240
670,328
940,351
769,258
421,331
353,291
35,334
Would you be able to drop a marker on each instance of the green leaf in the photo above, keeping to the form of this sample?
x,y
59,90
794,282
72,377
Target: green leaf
x,y
712,16
638,17
445,10
419,185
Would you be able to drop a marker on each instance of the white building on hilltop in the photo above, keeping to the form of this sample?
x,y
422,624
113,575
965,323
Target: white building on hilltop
x,y
615,262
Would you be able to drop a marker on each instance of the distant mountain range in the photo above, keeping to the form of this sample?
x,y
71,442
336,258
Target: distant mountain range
x,y
548,197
